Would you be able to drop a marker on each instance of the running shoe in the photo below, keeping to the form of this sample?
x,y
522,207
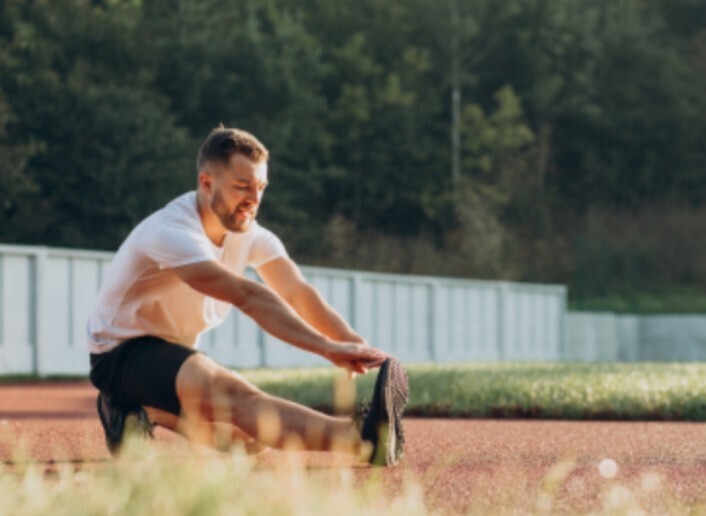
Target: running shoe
x,y
120,423
382,424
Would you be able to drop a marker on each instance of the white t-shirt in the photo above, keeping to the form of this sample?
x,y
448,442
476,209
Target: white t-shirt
x,y
142,295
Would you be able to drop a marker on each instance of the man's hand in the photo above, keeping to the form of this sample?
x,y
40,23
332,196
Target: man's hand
x,y
354,357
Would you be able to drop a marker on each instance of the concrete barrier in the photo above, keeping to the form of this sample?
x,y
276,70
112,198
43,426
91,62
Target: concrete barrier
x,y
601,337
47,293
673,338
608,337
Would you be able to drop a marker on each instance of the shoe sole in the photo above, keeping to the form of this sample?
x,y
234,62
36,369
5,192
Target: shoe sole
x,y
392,388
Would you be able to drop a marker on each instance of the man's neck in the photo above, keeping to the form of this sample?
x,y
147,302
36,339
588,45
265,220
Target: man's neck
x,y
212,226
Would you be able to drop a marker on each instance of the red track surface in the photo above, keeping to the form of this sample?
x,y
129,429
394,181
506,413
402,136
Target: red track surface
x,y
461,464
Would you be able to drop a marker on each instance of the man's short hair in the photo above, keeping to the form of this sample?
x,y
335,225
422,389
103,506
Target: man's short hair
x,y
223,142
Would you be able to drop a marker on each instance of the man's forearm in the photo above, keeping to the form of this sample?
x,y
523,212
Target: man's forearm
x,y
259,302
317,312
285,278
278,319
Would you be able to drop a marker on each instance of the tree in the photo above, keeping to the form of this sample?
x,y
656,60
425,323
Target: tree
x,y
612,100
14,183
107,152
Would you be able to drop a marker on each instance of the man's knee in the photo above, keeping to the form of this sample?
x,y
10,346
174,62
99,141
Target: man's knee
x,y
214,393
228,389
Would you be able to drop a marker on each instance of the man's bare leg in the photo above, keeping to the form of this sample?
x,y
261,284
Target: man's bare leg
x,y
209,392
219,436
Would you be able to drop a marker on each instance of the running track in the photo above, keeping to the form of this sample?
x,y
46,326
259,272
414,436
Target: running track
x,y
461,464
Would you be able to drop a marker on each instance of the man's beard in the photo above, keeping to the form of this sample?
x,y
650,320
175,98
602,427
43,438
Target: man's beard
x,y
229,219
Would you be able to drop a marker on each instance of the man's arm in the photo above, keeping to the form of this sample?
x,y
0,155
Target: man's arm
x,y
285,277
272,314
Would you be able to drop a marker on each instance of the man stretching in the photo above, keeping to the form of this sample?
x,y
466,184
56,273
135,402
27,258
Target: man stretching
x,y
176,275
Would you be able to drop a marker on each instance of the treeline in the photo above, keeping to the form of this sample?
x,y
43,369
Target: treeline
x,y
538,140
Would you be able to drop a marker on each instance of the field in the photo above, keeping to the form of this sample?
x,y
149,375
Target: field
x,y
54,460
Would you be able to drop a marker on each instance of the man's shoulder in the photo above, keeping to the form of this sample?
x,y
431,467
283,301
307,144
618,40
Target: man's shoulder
x,y
254,237
177,221
182,208
178,215
259,230
266,246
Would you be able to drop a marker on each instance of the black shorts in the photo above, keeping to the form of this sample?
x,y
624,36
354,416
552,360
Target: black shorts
x,y
141,372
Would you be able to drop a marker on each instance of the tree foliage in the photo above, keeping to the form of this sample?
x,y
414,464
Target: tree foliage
x,y
561,109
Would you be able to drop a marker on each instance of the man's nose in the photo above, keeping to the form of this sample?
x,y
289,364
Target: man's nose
x,y
253,196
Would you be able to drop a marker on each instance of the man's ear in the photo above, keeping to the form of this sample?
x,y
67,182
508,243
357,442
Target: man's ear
x,y
206,181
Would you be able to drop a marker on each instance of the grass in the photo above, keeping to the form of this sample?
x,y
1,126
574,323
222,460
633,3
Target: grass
x,y
674,301
616,391
31,378
236,484
620,391
198,486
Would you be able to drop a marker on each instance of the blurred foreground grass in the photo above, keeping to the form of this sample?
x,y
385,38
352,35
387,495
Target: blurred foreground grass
x,y
621,391
148,481
229,484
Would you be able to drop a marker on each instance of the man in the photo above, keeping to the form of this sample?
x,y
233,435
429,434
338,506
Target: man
x,y
176,275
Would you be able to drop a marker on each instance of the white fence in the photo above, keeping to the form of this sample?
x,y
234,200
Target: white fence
x,y
46,294
608,337
602,337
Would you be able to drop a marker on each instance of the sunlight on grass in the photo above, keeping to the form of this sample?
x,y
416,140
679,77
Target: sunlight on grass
x,y
239,484
205,485
642,391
